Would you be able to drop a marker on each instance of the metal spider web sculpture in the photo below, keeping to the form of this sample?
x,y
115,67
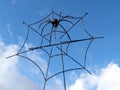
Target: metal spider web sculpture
x,y
55,32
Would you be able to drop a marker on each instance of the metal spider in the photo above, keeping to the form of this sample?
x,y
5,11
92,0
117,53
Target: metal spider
x,y
55,22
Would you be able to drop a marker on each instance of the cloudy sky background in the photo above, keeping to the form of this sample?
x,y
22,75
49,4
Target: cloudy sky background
x,y
103,58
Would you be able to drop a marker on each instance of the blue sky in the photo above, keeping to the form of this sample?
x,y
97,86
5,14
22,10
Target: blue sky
x,y
103,57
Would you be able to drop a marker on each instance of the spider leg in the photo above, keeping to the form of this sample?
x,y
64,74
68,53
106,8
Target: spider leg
x,y
65,31
43,23
71,17
41,19
70,28
53,14
42,32
67,21
44,27
68,17
60,16
51,35
79,19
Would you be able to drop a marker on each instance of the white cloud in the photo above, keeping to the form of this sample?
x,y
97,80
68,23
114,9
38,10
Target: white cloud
x,y
110,78
10,77
55,84
107,79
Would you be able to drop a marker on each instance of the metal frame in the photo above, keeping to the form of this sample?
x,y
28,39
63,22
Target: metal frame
x,y
55,23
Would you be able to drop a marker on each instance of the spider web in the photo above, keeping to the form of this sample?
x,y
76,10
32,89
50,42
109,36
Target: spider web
x,y
58,44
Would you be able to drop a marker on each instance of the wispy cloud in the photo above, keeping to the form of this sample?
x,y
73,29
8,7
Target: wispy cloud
x,y
9,29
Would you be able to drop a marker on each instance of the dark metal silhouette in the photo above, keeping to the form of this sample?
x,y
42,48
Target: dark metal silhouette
x,y
48,36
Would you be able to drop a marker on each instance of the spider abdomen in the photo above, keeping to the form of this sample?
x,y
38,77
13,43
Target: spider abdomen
x,y
55,22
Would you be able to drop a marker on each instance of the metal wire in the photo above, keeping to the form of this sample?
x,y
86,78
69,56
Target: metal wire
x,y
55,22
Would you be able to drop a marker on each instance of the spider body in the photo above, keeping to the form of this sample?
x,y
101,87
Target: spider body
x,y
55,22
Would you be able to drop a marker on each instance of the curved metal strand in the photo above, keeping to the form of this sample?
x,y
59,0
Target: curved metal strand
x,y
41,42
34,64
45,51
35,30
65,32
47,34
41,19
67,47
50,32
42,23
54,31
67,21
79,64
64,71
86,29
24,41
44,27
69,17
57,55
75,60
39,34
60,31
79,19
86,52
